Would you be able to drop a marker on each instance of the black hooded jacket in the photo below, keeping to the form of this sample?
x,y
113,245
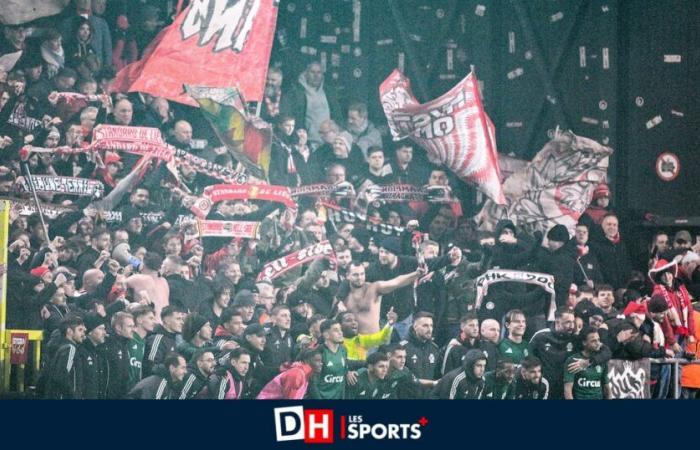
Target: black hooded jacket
x,y
461,383
158,345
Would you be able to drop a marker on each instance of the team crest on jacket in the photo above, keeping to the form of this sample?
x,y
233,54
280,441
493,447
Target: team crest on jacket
x,y
231,23
570,347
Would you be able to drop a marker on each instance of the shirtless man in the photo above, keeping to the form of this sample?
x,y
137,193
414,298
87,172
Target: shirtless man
x,y
365,298
150,285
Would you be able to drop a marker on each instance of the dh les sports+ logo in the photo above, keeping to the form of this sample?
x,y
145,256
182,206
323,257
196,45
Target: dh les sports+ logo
x,y
317,426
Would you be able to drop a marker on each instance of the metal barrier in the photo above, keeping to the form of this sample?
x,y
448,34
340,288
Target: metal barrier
x,y
35,336
676,362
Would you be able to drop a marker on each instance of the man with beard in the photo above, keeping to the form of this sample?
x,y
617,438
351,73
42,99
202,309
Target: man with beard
x,y
454,353
364,298
466,382
163,339
200,370
358,345
63,376
402,297
371,382
229,332
530,384
230,382
422,352
553,347
490,331
364,133
500,384
272,100
592,382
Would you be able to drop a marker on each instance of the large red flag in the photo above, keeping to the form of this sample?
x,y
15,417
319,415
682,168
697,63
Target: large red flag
x,y
211,43
454,130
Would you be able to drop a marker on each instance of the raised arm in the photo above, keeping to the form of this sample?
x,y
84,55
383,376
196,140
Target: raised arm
x,y
385,287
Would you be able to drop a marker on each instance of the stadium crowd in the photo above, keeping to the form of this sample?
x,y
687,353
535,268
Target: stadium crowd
x,y
135,304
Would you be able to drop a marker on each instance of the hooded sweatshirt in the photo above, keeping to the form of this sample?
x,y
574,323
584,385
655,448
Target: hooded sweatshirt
x,y
461,383
291,384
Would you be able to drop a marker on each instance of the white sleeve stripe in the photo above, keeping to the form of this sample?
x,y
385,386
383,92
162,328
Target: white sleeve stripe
x,y
186,389
154,349
71,357
222,389
455,383
161,388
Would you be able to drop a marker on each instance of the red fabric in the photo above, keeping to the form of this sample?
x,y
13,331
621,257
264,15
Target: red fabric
x,y
193,51
680,301
596,213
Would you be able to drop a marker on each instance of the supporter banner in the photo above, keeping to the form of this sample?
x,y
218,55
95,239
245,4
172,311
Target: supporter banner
x,y
19,119
27,208
71,97
137,140
288,262
26,151
454,129
151,218
209,168
226,228
314,190
387,193
221,192
629,379
16,12
556,187
543,280
64,185
337,214
216,43
247,137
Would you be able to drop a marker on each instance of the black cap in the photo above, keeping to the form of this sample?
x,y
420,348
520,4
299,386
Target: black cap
x,y
92,321
256,329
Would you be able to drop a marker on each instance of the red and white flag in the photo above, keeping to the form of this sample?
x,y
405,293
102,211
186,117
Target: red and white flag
x,y
454,130
215,43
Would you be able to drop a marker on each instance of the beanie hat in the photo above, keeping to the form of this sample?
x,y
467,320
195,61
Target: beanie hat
x,y
92,321
392,245
558,233
346,138
657,304
39,271
193,324
601,191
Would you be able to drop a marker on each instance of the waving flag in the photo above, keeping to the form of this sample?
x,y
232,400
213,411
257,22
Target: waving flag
x,y
454,130
17,12
554,188
247,137
216,43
